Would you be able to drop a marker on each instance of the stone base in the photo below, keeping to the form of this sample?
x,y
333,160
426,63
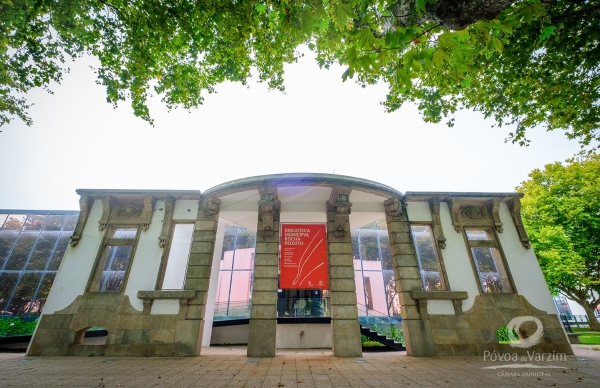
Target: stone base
x,y
262,337
346,338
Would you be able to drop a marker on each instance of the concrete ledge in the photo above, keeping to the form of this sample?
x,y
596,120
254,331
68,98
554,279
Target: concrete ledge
x,y
439,295
174,294
573,338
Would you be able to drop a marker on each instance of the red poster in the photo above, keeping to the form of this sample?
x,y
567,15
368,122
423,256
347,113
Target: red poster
x,y
303,262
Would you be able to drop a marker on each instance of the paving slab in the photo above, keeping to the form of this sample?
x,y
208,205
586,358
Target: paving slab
x,y
229,367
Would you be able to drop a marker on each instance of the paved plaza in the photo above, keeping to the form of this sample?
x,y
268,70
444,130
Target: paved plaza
x,y
229,367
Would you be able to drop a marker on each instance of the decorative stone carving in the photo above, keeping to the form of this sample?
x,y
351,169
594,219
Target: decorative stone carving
x,y
393,208
127,212
267,206
165,232
211,207
514,206
107,202
340,201
85,206
495,205
455,214
475,213
438,231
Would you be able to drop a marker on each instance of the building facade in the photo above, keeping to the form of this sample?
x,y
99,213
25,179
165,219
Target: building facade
x,y
302,257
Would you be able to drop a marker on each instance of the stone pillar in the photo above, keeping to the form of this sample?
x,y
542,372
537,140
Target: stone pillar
x,y
190,326
263,318
416,326
344,312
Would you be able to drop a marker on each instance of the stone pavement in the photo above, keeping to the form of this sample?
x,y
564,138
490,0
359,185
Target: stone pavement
x,y
229,367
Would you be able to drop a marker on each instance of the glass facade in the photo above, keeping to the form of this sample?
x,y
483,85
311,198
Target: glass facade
x,y
427,256
32,245
234,290
373,271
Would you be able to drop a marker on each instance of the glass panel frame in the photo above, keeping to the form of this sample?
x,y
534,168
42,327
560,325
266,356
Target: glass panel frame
x,y
431,267
488,260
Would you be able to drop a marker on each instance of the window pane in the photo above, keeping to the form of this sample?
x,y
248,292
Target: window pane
x,y
59,252
24,293
40,298
484,259
54,223
7,286
479,234
242,290
125,233
22,249
228,247
34,222
427,257
386,253
432,281
42,251
2,219
14,222
393,303
7,240
117,261
368,245
71,222
355,253
246,238
112,281
491,271
178,257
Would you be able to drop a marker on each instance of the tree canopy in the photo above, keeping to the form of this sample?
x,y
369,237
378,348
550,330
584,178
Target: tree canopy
x,y
527,62
561,211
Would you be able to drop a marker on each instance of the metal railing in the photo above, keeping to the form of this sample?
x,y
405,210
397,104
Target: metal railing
x,y
382,323
303,307
232,310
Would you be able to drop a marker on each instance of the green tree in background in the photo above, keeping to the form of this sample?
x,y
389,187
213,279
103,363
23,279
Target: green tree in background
x,y
561,211
527,62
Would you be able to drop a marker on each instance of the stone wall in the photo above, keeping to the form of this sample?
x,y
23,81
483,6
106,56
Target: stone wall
x,y
130,332
473,332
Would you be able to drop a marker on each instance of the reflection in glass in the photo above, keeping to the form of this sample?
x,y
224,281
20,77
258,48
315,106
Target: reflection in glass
x,y
14,222
179,252
42,294
21,299
373,271
7,286
42,251
54,223
488,260
7,240
27,243
34,222
21,251
59,252
429,264
117,261
71,222
234,289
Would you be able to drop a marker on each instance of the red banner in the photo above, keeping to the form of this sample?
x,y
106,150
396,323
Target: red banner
x,y
303,262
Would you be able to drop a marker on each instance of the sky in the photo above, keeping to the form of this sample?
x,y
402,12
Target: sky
x,y
319,125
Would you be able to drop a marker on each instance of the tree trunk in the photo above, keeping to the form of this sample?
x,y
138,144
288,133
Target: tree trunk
x,y
451,14
589,310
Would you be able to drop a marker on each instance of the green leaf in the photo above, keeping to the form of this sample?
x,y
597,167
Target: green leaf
x,y
260,8
546,32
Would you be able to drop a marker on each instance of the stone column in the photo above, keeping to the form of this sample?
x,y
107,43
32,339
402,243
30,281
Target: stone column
x,y
190,326
263,319
416,326
344,313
